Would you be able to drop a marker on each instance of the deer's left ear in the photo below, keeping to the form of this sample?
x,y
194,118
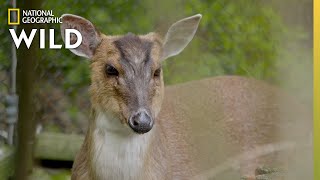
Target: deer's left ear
x,y
179,35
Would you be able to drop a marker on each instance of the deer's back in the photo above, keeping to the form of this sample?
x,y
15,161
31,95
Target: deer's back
x,y
223,118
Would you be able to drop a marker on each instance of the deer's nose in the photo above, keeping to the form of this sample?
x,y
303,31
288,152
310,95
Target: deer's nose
x,y
141,122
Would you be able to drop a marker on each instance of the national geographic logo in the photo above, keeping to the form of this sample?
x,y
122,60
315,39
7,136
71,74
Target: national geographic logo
x,y
31,16
13,16
72,37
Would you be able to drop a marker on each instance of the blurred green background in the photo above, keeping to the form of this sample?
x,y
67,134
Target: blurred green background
x,y
264,39
244,37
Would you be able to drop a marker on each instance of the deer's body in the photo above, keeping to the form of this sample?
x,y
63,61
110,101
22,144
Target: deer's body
x,y
220,128
141,130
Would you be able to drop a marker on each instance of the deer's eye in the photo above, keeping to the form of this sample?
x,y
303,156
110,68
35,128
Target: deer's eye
x,y
111,71
157,72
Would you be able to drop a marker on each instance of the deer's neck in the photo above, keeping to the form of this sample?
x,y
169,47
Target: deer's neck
x,y
117,153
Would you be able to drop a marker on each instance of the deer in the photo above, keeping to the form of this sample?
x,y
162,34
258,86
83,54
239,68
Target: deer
x,y
139,129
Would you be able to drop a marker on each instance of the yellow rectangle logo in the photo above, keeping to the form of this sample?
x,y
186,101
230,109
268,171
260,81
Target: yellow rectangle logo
x,y
12,21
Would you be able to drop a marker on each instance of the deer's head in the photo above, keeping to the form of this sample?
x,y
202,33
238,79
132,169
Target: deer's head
x,y
126,74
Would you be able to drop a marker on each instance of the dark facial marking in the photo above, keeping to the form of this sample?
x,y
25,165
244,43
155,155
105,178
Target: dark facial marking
x,y
137,64
132,48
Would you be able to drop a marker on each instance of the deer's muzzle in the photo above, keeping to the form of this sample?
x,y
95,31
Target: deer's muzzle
x,y
141,122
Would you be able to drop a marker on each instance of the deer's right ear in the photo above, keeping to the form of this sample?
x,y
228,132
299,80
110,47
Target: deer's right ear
x,y
90,36
179,35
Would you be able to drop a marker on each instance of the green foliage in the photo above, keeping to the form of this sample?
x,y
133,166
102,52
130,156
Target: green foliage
x,y
5,51
235,37
45,174
63,175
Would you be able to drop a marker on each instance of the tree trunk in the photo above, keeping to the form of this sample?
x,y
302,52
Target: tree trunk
x,y
26,74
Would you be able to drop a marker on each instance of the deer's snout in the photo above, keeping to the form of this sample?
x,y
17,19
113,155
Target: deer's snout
x,y
141,122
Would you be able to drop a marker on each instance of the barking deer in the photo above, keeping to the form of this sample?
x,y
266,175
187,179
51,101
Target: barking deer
x,y
140,130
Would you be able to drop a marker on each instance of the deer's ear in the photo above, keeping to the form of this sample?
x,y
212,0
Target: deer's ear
x,y
90,36
179,35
